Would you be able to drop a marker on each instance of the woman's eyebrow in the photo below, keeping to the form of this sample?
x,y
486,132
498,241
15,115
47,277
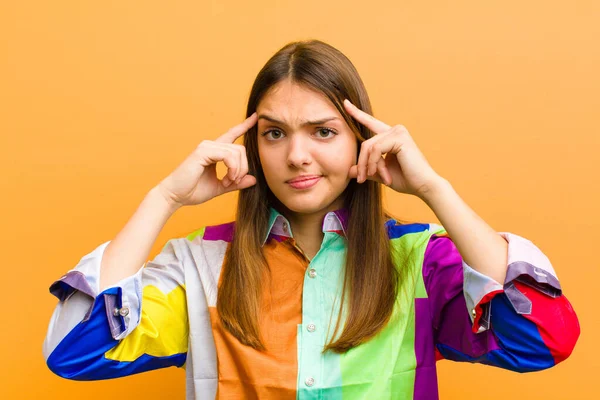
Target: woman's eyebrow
x,y
305,123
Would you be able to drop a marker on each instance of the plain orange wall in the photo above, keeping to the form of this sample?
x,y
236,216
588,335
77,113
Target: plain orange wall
x,y
99,101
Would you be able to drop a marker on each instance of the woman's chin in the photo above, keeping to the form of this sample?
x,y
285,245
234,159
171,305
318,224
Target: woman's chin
x,y
308,205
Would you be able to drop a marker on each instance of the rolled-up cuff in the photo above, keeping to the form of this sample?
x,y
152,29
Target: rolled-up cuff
x,y
529,265
533,276
84,277
123,305
479,289
64,287
122,300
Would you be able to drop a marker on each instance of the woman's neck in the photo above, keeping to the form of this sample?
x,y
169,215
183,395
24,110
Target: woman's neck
x,y
308,228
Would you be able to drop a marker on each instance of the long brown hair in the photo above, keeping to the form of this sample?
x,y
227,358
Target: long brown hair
x,y
370,280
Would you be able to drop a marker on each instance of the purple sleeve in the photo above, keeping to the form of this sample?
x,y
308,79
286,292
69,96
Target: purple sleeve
x,y
476,319
456,290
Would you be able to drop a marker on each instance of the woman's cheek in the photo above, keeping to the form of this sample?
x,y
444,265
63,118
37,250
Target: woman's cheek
x,y
269,167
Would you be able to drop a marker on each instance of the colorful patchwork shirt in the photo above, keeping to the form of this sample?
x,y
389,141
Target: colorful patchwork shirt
x,y
165,315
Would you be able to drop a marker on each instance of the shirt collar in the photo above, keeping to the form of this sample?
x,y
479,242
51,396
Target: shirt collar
x,y
334,221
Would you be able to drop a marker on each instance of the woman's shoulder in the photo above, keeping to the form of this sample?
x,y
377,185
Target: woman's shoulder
x,y
407,230
220,232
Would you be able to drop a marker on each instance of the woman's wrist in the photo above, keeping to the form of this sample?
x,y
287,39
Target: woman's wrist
x,y
433,190
170,203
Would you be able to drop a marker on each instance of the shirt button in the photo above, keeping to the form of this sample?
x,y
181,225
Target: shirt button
x,y
312,272
309,381
123,312
285,226
474,312
311,327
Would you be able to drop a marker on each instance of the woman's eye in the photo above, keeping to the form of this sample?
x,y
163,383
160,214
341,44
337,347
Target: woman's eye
x,y
274,133
322,133
325,133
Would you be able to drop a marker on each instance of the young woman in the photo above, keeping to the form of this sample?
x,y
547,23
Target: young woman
x,y
314,291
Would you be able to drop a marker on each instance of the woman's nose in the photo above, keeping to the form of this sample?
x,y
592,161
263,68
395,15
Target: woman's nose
x,y
299,151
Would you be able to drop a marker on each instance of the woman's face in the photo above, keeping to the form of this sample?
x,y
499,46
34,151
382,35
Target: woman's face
x,y
305,147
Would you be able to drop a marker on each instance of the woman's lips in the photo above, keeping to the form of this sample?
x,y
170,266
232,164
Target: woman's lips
x,y
304,183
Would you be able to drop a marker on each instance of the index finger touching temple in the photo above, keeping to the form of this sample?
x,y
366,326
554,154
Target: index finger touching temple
x,y
239,130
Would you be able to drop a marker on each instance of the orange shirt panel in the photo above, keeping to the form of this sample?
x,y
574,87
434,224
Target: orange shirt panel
x,y
250,374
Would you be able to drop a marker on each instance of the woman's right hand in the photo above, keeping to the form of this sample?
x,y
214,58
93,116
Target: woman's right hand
x,y
195,180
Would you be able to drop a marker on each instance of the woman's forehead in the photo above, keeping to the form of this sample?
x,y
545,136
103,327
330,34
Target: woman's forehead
x,y
290,102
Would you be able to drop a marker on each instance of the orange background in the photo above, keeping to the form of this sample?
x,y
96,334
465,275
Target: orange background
x,y
99,101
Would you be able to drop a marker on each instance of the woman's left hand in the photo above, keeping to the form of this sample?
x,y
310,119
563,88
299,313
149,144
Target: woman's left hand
x,y
404,167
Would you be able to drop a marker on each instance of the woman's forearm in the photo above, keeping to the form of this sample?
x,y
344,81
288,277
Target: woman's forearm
x,y
480,246
129,250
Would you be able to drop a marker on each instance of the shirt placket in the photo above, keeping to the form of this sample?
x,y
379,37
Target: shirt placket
x,y
311,333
